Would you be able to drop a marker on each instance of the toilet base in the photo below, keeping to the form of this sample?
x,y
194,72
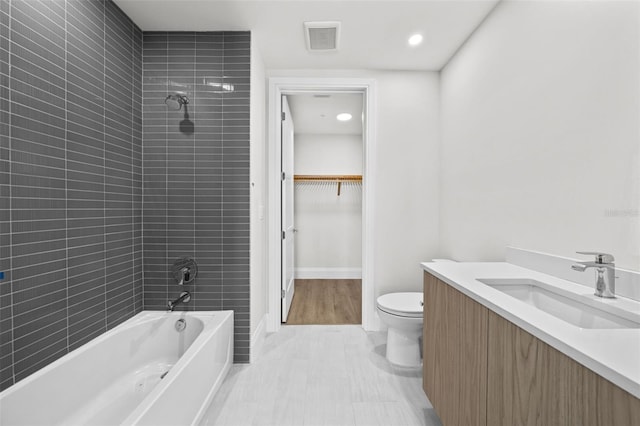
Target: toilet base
x,y
403,347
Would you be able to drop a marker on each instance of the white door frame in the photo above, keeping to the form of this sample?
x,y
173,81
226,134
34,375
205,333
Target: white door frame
x,y
279,86
287,189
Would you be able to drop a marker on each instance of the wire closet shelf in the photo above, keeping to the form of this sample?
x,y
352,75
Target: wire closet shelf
x,y
338,179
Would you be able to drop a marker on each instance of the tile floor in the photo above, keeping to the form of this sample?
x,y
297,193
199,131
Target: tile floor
x,y
321,375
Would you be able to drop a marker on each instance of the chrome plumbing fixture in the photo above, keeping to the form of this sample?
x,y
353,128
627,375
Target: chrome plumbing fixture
x,y
184,270
606,270
176,100
185,276
180,325
184,297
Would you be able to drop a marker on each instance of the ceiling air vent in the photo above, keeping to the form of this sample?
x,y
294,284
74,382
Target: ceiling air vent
x,y
322,36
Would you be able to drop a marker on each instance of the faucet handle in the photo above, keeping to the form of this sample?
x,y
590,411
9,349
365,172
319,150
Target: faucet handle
x,y
184,270
600,257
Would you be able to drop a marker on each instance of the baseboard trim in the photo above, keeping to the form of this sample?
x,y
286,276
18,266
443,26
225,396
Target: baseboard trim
x,y
257,340
328,273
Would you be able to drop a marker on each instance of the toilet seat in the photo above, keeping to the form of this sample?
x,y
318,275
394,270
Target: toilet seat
x,y
408,304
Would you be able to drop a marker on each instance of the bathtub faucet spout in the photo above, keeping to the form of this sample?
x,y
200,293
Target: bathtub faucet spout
x,y
185,297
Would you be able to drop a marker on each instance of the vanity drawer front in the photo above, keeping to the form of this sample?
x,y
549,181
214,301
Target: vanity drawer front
x,y
531,383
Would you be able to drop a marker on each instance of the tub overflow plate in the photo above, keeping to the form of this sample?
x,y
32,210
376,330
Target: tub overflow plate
x,y
181,325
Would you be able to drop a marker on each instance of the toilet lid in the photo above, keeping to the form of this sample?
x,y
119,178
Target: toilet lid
x,y
407,304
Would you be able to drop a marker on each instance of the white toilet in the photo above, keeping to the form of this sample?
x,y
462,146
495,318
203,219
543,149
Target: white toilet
x,y
402,313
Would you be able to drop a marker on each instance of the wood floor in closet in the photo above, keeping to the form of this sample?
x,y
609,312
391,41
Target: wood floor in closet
x,y
326,302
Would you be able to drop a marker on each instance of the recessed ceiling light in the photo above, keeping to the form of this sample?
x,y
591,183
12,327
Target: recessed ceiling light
x,y
344,116
415,39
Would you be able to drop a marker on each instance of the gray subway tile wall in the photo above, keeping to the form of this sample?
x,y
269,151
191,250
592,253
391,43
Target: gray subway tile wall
x,y
6,320
70,177
86,171
72,166
196,171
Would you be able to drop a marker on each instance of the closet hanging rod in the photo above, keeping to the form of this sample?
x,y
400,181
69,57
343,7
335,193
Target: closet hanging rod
x,y
328,178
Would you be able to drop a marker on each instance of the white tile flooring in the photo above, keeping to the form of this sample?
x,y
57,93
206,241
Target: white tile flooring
x,y
322,375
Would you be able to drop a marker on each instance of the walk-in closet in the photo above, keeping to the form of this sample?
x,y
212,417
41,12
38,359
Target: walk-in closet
x,y
327,207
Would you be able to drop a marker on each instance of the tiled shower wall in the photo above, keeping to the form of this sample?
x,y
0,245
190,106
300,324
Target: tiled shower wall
x,y
196,171
70,177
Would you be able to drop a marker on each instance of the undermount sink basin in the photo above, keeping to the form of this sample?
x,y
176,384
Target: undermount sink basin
x,y
575,309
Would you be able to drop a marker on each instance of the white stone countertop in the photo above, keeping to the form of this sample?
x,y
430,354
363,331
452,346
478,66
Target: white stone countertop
x,y
612,353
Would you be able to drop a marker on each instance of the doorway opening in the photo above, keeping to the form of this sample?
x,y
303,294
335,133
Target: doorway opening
x,y
277,262
322,164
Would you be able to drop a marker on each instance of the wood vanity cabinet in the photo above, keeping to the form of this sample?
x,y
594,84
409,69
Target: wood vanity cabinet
x,y
454,354
481,369
532,383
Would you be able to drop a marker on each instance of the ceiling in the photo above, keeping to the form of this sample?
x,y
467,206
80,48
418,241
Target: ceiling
x,y
316,113
373,33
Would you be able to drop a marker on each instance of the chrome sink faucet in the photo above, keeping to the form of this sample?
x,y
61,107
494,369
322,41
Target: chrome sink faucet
x,y
606,269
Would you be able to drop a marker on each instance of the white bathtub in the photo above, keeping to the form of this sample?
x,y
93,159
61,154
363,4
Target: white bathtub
x,y
115,379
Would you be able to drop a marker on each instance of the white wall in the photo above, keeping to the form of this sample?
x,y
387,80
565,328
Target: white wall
x,y
329,238
540,122
406,192
406,214
327,154
258,223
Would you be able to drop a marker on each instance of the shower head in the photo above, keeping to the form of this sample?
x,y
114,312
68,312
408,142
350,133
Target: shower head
x,y
176,100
